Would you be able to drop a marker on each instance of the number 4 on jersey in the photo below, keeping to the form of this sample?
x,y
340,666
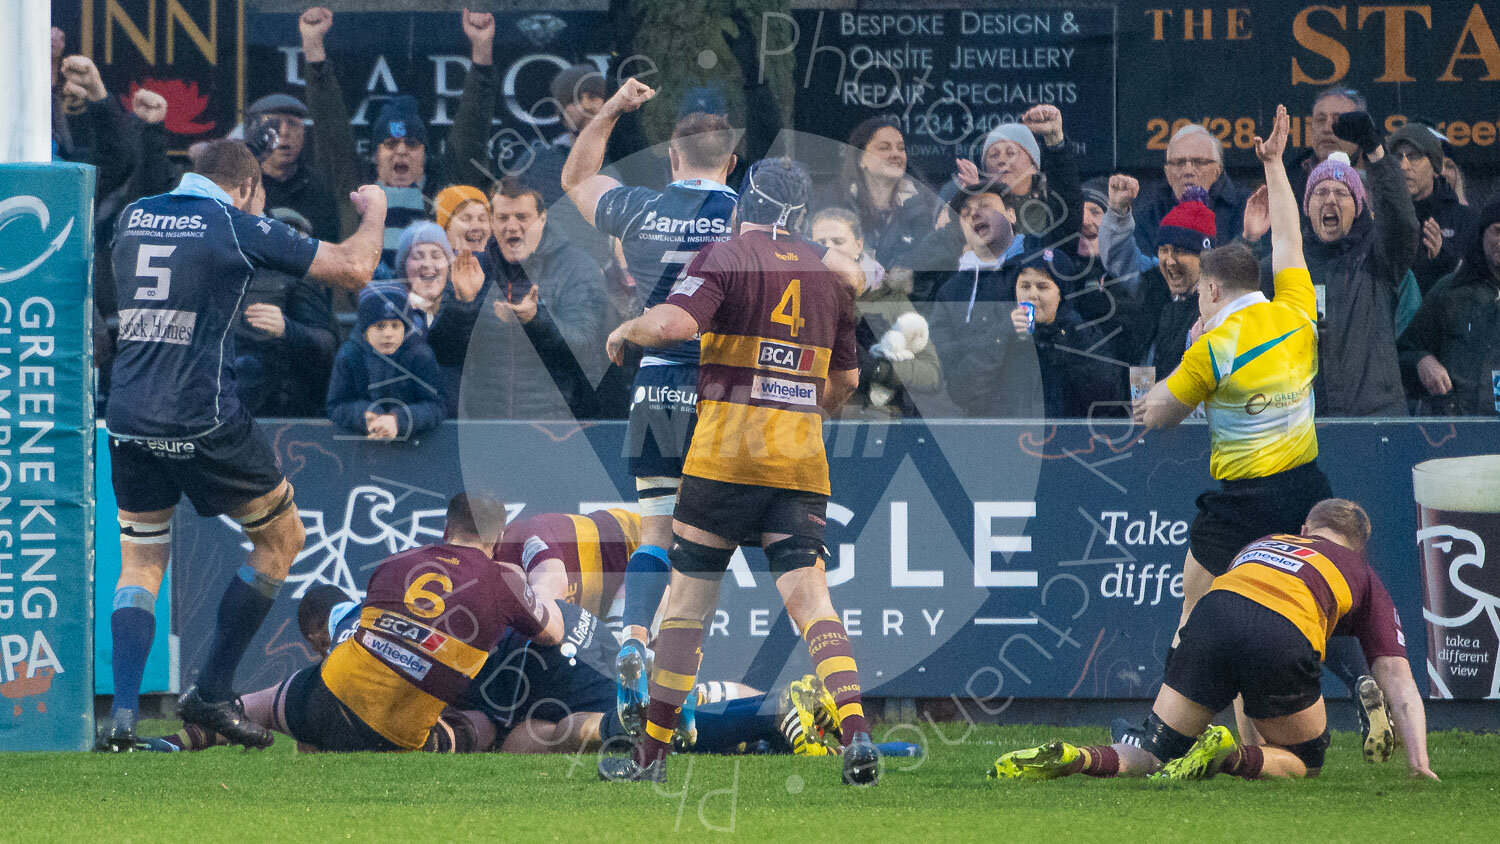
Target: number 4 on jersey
x,y
163,275
789,310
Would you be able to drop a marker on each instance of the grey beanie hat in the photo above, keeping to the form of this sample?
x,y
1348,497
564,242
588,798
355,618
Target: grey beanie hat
x,y
1016,133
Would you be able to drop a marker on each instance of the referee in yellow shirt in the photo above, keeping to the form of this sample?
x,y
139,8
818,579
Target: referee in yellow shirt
x,y
1252,368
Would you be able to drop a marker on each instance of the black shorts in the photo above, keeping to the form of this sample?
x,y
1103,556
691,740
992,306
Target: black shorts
x,y
663,413
1234,646
742,512
218,472
314,716
1240,512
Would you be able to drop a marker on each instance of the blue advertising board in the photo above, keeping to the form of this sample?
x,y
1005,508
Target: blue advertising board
x,y
985,559
46,457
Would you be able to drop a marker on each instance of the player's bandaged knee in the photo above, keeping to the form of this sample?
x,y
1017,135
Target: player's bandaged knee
x,y
138,597
657,496
261,518
145,533
1311,752
690,557
1163,742
792,553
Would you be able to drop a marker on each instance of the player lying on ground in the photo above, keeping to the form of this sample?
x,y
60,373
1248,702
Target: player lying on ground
x,y
182,261
1261,632
534,698
776,316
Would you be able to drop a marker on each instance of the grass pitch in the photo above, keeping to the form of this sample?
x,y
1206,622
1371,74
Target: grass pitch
x,y
226,794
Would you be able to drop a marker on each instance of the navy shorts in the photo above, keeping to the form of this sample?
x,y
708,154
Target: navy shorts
x,y
1233,646
218,472
663,412
1240,512
315,716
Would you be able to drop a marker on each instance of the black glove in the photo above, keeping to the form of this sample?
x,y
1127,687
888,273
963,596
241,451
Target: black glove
x,y
743,47
1358,128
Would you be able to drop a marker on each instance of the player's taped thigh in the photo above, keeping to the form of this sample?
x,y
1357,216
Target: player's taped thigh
x,y
657,495
146,533
1312,751
792,553
1163,742
262,519
696,559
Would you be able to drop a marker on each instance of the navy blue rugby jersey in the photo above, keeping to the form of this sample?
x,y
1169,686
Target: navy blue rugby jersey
x,y
182,261
661,232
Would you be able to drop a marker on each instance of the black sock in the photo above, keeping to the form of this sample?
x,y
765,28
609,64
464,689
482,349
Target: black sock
x,y
243,608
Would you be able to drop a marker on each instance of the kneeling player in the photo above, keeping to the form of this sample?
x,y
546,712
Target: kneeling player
x,y
1261,631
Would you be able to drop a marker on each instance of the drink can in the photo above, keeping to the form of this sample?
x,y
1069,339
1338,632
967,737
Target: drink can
x,y
1030,317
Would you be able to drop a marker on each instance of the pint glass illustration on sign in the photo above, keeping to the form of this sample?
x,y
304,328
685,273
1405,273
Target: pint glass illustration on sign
x,y
1458,515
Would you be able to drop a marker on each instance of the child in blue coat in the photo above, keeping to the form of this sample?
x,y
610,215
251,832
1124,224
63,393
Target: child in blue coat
x,y
385,382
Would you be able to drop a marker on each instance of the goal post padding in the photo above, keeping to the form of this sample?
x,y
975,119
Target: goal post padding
x,y
46,457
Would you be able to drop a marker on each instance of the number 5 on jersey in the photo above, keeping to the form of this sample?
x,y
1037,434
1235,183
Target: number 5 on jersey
x,y
163,275
789,310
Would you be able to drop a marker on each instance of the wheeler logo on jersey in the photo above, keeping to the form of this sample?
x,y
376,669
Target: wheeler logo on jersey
x,y
784,356
1281,555
687,286
157,325
396,656
786,392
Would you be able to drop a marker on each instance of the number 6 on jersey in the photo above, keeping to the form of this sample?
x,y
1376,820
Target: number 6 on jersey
x,y
789,310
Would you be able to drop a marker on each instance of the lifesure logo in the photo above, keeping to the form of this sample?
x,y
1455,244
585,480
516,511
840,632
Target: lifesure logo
x,y
787,392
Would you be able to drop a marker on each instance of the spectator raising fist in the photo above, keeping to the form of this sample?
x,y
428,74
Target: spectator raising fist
x,y
81,79
149,106
479,28
1123,190
314,25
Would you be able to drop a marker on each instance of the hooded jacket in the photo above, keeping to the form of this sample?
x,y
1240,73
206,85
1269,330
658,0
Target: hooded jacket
x,y
1459,324
1358,371
406,384
545,369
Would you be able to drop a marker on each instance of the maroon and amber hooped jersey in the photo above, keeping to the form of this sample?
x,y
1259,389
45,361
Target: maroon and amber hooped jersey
x,y
430,617
1320,586
594,550
774,322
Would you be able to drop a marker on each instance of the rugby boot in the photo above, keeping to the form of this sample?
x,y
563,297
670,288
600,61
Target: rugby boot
x,y
626,769
1045,762
861,761
1202,760
227,718
1375,720
119,736
630,687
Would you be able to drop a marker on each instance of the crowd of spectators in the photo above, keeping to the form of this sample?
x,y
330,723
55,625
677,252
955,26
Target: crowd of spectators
x,y
1014,289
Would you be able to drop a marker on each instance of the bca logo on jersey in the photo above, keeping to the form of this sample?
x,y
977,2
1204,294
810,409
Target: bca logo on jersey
x,y
783,356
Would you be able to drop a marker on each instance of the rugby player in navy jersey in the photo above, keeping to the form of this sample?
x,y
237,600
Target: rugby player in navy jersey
x,y
182,261
660,232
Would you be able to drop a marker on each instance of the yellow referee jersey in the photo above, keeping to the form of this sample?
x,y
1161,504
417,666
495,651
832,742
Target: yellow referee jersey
x,y
1253,369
